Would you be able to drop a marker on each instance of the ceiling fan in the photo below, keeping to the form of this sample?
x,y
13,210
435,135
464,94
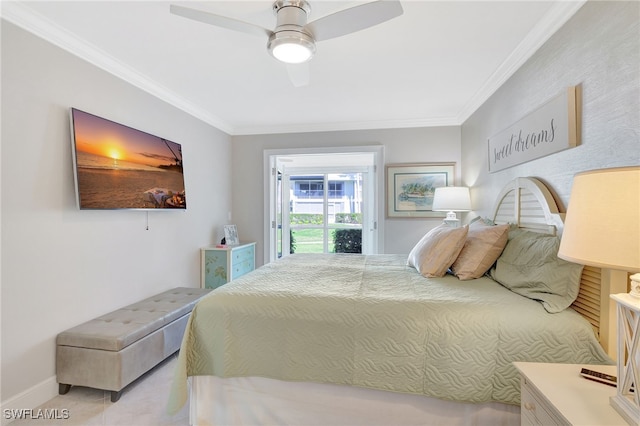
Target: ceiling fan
x,y
293,41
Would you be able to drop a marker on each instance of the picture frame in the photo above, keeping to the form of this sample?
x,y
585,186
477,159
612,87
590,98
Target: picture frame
x,y
231,235
410,188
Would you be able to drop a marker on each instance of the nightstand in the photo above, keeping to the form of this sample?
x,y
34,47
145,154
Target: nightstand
x,y
556,394
223,264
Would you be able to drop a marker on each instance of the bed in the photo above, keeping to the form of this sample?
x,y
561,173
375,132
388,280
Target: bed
x,y
357,339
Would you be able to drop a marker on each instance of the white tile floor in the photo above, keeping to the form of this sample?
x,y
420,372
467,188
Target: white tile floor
x,y
143,403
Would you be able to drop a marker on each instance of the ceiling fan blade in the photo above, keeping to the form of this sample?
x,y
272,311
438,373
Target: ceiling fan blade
x,y
219,21
354,19
299,74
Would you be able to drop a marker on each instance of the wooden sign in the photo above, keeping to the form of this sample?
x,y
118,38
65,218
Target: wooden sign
x,y
553,127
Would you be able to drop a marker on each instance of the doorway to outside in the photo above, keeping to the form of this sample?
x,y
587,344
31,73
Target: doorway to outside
x,y
322,202
325,213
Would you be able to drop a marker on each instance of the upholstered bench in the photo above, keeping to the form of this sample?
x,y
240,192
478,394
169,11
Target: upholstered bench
x,y
115,349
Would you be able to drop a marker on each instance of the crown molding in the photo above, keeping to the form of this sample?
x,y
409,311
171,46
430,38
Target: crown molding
x,y
21,15
346,126
557,16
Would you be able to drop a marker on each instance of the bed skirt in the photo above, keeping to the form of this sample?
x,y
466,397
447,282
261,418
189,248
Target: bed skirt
x,y
262,401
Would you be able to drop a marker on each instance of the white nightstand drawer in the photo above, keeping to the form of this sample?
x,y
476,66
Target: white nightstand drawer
x,y
556,394
534,408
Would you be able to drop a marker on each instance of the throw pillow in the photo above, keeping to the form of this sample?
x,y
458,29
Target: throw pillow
x,y
482,248
437,250
530,266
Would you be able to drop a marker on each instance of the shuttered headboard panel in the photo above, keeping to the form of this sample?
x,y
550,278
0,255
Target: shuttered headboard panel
x,y
589,299
528,203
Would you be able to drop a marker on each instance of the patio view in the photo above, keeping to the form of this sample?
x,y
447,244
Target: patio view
x,y
325,213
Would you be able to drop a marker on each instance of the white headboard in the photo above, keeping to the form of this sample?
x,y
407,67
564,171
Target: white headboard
x,y
528,203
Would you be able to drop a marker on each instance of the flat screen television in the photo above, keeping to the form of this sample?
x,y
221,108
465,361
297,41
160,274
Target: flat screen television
x,y
118,167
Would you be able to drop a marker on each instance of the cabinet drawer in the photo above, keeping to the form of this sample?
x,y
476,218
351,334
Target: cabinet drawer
x,y
243,254
242,268
534,408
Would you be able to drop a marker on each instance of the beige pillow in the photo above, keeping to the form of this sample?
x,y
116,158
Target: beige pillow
x,y
481,250
437,250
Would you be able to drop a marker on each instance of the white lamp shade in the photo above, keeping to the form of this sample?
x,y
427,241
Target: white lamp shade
x,y
451,198
602,226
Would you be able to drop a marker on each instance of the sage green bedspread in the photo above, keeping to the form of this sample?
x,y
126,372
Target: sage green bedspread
x,y
373,322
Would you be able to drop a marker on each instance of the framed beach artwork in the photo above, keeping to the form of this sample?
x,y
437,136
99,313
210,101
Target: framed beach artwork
x,y
410,188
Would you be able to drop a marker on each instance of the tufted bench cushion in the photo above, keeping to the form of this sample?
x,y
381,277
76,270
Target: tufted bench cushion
x,y
111,351
118,329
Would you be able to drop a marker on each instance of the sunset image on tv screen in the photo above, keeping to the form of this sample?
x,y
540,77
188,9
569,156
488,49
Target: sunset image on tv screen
x,y
118,167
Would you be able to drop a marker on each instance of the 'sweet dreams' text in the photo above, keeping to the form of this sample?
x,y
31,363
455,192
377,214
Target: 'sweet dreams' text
x,y
521,143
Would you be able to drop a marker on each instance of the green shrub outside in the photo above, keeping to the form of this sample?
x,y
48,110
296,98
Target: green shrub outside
x,y
347,240
292,242
305,219
317,219
348,217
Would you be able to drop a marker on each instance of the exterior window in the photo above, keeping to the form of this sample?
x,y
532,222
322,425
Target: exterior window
x,y
335,190
309,189
314,189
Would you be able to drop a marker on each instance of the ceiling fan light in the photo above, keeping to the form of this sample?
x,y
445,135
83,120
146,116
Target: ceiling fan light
x,y
291,47
292,53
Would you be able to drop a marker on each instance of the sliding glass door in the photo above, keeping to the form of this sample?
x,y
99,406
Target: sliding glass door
x,y
323,203
326,212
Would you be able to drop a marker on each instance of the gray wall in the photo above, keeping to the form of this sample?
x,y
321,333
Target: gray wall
x,y
420,145
599,48
62,266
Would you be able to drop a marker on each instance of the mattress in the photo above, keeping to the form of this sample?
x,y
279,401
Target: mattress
x,y
370,321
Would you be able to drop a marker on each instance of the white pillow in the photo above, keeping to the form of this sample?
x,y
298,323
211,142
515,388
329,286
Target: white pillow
x,y
437,250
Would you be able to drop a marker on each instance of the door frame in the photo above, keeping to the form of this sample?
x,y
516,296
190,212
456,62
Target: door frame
x,y
377,190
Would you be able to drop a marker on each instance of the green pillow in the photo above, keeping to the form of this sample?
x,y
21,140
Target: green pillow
x,y
529,266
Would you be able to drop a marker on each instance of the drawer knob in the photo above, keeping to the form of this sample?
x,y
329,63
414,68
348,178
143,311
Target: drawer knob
x,y
530,406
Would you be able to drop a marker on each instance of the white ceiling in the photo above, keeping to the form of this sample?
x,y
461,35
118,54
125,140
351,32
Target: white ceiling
x,y
432,66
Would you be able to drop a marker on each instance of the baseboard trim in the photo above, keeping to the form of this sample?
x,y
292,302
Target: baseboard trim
x,y
28,399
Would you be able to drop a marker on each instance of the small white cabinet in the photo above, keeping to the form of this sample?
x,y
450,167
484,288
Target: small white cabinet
x,y
223,264
556,394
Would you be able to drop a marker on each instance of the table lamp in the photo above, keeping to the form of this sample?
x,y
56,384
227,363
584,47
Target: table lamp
x,y
451,199
602,229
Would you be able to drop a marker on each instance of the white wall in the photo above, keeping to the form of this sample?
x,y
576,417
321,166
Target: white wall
x,y
62,266
598,48
419,145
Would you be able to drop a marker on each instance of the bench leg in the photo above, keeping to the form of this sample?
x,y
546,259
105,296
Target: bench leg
x,y
63,388
115,396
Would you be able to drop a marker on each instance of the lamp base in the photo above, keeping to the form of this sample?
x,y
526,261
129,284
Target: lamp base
x,y
627,401
626,408
635,286
454,223
452,220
